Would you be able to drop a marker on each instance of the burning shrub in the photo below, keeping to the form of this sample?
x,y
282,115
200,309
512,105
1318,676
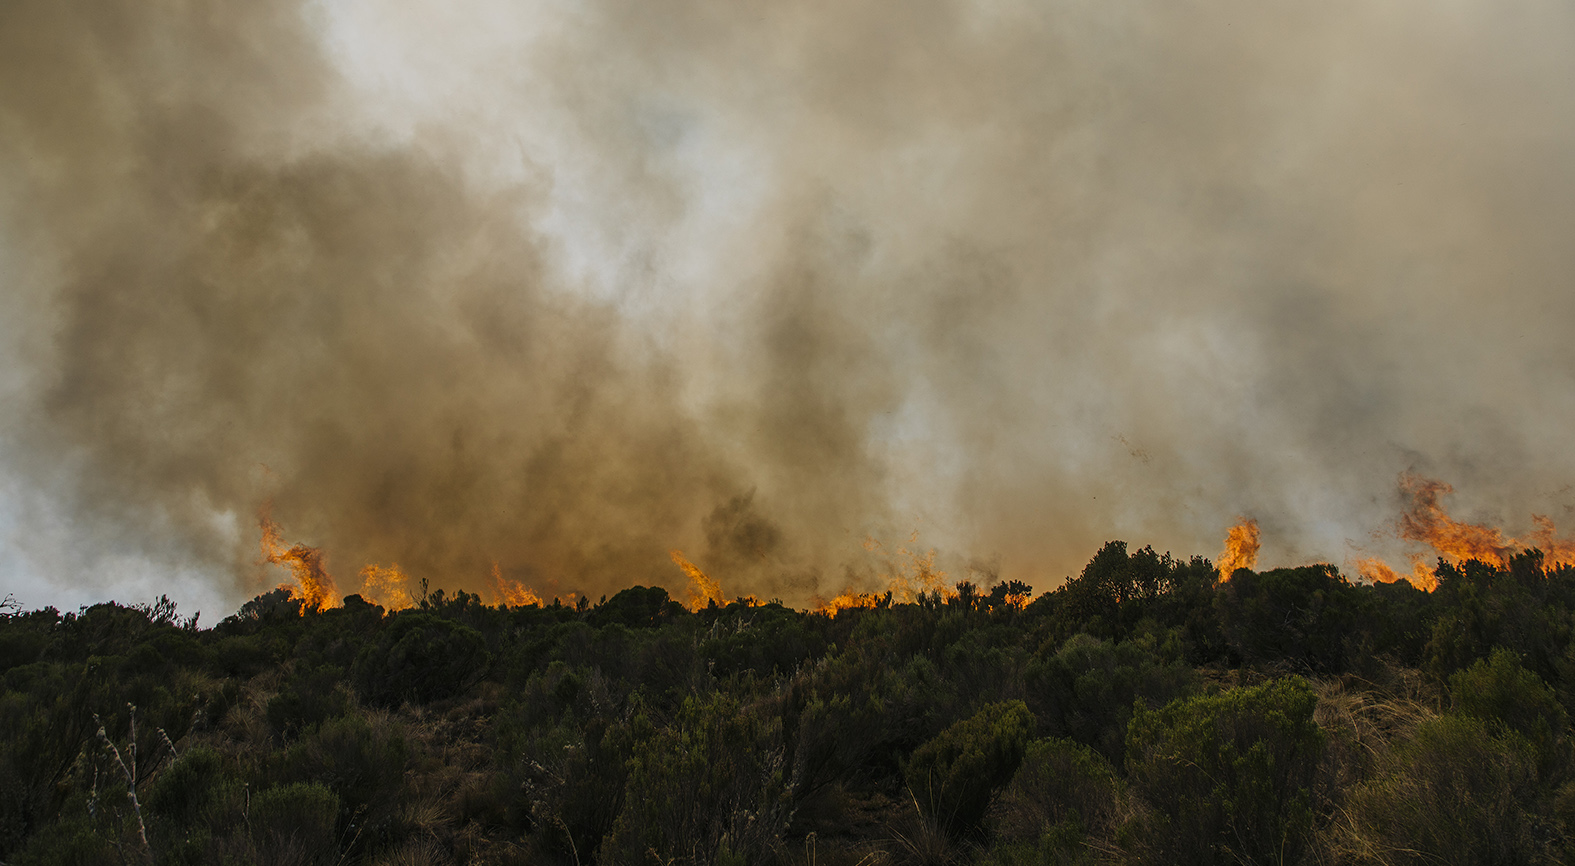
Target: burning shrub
x,y
421,658
1229,776
952,776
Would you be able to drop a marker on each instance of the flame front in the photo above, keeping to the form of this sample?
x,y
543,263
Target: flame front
x,y
1241,547
387,586
703,590
312,584
512,593
909,575
1427,522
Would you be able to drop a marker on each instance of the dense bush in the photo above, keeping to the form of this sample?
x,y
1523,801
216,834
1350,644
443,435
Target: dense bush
x,y
1228,777
1140,713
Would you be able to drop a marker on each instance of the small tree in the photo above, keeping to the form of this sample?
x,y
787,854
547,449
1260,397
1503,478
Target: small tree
x,y
1228,776
953,775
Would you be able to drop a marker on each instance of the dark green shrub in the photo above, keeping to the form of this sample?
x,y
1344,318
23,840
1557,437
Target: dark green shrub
x,y
1499,691
309,698
953,775
1229,777
294,825
421,658
707,790
1454,793
1063,795
1085,690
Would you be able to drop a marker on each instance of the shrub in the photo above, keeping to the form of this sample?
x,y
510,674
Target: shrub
x,y
295,824
1063,794
1500,692
953,775
421,658
1228,776
707,790
1454,793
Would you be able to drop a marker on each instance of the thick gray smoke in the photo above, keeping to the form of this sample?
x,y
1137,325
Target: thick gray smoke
x,y
562,287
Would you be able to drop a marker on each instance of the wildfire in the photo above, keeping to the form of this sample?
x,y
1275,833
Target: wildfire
x,y
702,588
387,586
512,593
1241,547
1376,570
312,583
1426,521
909,574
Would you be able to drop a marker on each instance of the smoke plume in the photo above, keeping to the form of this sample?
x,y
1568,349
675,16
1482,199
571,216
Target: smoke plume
x,y
540,292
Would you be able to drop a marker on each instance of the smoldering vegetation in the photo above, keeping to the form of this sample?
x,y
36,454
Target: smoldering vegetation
x,y
560,289
1144,712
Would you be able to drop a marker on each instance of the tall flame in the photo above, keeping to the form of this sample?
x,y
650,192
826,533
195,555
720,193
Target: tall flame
x,y
703,589
1241,547
387,586
512,593
1427,522
312,584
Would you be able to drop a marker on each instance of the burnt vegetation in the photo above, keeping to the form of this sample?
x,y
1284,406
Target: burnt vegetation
x,y
1144,712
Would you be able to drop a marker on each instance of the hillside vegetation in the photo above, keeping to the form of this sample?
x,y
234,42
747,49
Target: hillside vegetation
x,y
1145,712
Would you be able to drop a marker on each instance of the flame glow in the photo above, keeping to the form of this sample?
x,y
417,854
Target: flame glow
x,y
1241,547
1426,521
512,593
908,573
702,588
312,583
387,586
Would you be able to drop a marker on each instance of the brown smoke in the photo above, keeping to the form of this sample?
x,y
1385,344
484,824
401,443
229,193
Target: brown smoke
x,y
562,290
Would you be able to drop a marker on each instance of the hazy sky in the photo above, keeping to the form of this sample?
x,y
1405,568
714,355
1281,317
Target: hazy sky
x,y
562,286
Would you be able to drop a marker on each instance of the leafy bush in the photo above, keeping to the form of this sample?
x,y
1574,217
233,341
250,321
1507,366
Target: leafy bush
x,y
1500,692
1453,793
1229,777
1063,794
420,658
294,825
707,790
953,775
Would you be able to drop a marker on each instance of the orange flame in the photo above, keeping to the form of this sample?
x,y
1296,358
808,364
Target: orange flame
x,y
512,593
1427,522
387,586
702,588
1375,570
312,583
909,575
1241,547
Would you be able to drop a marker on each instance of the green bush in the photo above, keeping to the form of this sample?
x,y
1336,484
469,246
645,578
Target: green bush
x,y
953,775
294,825
707,790
1500,692
1454,793
1228,776
421,658
1063,795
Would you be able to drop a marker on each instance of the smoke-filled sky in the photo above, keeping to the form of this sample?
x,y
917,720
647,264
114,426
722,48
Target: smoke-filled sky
x,y
562,285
